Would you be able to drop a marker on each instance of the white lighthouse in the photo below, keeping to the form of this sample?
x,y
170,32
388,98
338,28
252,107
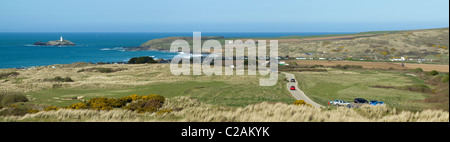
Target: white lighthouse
x,y
61,39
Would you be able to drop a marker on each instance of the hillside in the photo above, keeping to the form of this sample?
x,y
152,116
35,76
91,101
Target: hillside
x,y
377,45
164,43
428,44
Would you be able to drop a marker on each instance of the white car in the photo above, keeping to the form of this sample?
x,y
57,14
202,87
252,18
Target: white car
x,y
339,103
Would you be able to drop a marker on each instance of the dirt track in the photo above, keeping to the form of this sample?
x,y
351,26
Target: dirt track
x,y
376,65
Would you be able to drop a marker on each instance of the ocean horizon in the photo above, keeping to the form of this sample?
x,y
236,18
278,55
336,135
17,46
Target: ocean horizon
x,y
17,49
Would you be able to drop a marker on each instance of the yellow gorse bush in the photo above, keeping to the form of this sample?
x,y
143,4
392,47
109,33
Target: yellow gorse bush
x,y
104,103
141,104
301,103
78,106
33,111
150,103
131,98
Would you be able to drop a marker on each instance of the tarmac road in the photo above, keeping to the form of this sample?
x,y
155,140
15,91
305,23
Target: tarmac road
x,y
297,93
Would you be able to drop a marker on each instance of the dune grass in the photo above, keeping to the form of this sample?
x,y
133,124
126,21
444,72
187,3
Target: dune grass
x,y
261,112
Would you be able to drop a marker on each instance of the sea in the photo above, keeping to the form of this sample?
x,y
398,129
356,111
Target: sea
x,y
17,49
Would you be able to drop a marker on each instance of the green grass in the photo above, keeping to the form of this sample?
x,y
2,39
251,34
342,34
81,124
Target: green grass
x,y
323,88
211,92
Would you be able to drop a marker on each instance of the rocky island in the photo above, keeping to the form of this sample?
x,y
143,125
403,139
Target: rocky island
x,y
60,42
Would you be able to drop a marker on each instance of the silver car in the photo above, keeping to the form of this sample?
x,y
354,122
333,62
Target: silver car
x,y
339,103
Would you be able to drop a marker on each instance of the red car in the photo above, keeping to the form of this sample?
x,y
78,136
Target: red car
x,y
292,87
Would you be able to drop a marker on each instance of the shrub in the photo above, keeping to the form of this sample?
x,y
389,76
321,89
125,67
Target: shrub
x,y
1,98
131,98
78,106
33,111
433,73
101,70
154,97
293,64
445,79
301,103
104,103
141,60
60,79
9,74
137,103
13,112
417,70
348,67
417,88
142,106
115,103
8,99
99,104
149,103
104,70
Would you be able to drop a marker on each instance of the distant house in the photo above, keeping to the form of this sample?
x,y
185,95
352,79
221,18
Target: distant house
x,y
301,58
322,58
398,59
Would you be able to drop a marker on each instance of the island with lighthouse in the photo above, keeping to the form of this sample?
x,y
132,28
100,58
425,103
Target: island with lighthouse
x,y
60,42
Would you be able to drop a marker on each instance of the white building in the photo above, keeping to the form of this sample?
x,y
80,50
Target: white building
x,y
398,59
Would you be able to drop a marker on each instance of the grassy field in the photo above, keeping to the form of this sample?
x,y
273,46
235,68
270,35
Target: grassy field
x,y
219,98
347,85
217,93
236,91
156,79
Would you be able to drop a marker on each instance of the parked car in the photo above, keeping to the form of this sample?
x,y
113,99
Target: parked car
x,y
361,101
375,102
339,103
292,87
292,80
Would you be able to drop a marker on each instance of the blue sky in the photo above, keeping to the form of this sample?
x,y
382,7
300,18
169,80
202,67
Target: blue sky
x,y
221,16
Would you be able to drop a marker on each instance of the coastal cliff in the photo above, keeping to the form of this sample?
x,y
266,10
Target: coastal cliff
x,y
163,44
431,44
